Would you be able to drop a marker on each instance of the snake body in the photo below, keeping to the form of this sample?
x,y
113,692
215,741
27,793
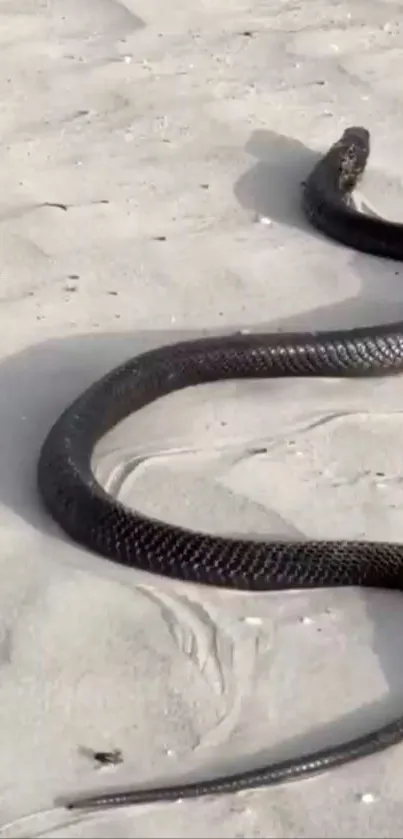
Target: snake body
x,y
91,517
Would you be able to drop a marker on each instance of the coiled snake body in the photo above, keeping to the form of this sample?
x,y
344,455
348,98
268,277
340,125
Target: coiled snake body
x,y
96,520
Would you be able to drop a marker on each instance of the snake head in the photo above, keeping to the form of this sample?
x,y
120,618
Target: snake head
x,y
354,148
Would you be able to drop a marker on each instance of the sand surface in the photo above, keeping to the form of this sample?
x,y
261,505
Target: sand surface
x,y
174,135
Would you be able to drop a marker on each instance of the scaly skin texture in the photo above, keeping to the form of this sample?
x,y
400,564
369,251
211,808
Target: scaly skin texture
x,y
96,520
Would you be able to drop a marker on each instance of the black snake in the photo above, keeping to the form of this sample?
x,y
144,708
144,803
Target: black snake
x,y
96,520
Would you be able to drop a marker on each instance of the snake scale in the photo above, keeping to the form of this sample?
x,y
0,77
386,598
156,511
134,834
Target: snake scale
x,y
91,517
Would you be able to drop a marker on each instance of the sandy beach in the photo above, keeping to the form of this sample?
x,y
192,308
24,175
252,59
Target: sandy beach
x,y
151,161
